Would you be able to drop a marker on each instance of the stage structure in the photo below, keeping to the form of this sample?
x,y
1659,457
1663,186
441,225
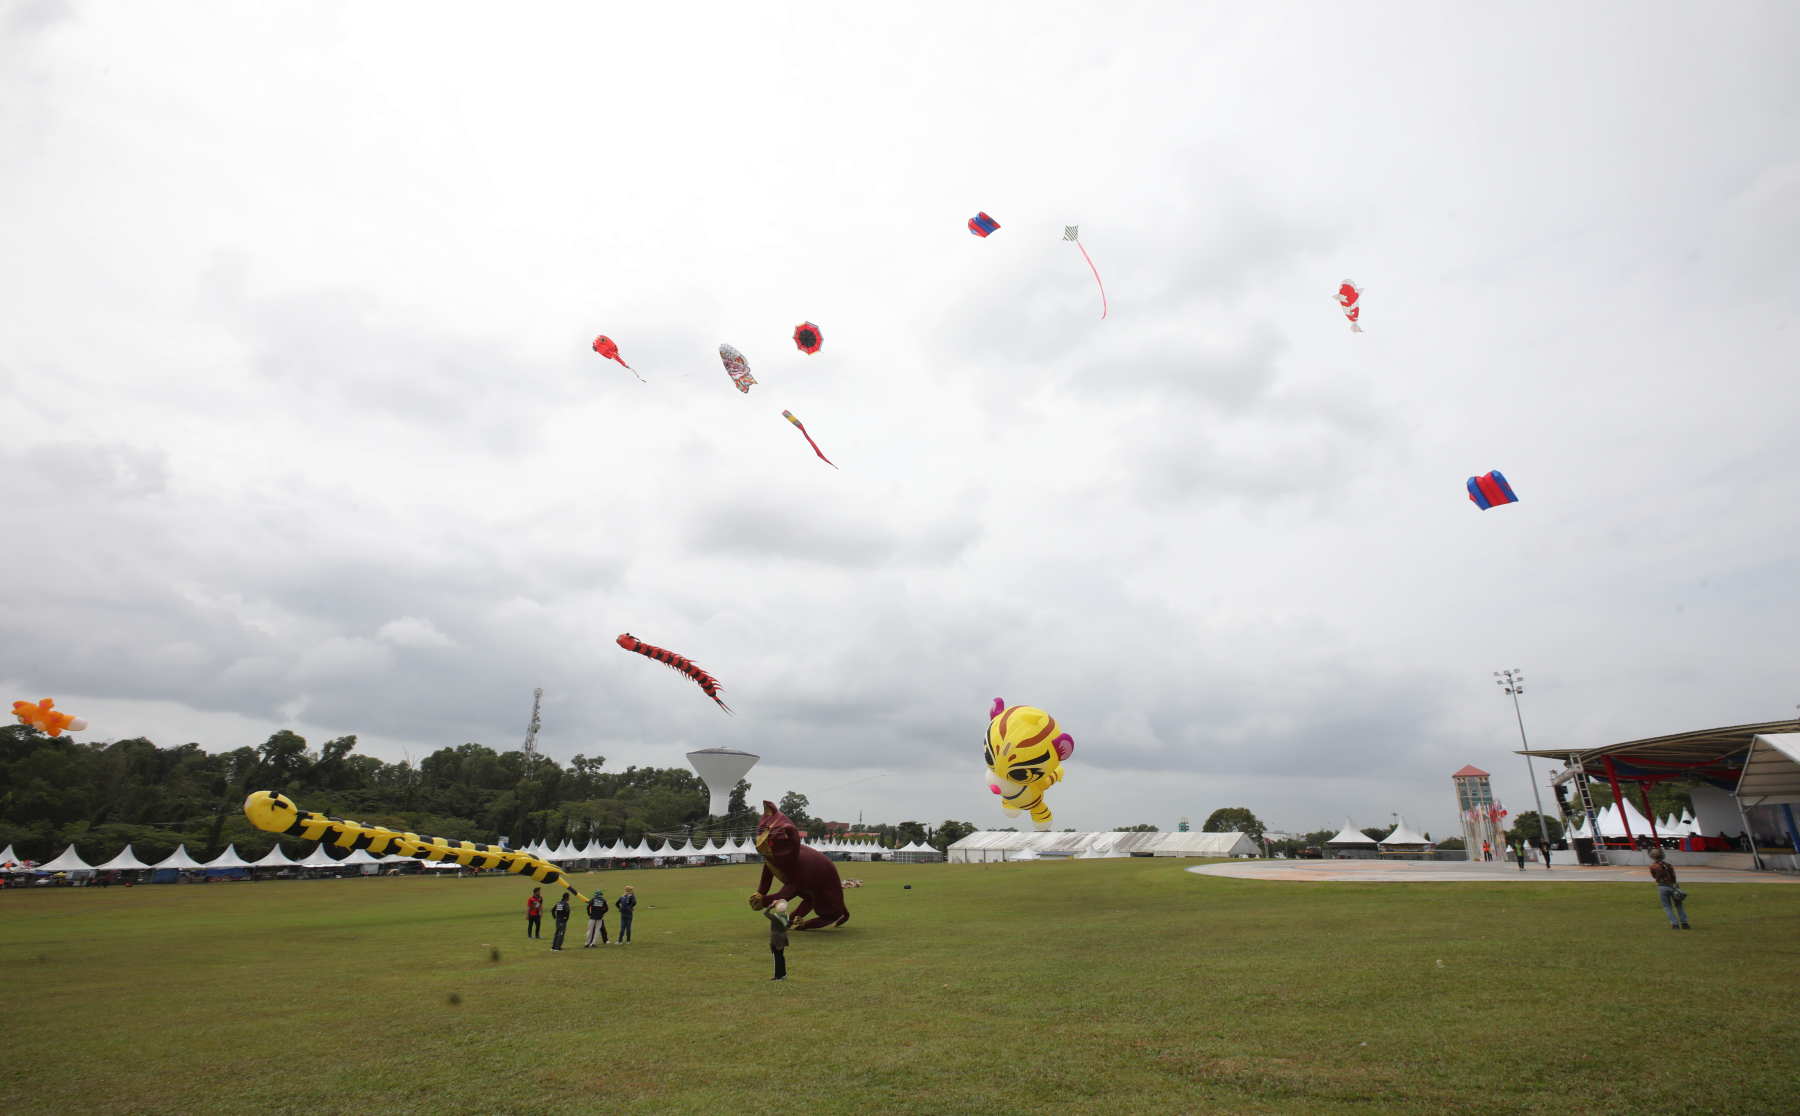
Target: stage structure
x,y
1483,819
720,769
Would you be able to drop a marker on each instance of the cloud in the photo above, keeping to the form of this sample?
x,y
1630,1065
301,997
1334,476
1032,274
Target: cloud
x,y
410,631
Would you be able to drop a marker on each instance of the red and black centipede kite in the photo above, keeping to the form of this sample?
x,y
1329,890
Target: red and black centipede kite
x,y
670,659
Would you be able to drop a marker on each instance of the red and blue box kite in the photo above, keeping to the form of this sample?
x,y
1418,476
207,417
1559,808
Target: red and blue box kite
x,y
981,224
1491,490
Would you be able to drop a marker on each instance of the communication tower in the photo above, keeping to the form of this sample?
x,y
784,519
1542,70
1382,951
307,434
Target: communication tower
x,y
531,731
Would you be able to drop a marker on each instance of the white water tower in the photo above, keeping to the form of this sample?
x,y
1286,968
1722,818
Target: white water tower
x,y
720,769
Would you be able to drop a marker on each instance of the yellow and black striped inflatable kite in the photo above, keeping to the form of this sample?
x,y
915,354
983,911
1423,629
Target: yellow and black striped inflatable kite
x,y
275,813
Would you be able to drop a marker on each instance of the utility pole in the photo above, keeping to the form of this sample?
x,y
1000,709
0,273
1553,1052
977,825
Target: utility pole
x,y
1513,682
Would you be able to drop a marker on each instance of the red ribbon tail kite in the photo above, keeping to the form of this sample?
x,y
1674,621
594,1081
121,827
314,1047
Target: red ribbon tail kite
x,y
1073,232
789,415
605,347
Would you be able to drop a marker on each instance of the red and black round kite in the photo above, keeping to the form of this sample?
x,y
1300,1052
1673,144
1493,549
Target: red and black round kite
x,y
808,337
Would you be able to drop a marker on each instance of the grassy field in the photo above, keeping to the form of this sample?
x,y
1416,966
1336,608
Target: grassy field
x,y
1116,986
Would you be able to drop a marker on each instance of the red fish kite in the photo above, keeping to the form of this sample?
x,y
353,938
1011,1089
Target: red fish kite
x,y
44,717
1349,296
737,368
1073,232
789,415
676,662
605,347
808,338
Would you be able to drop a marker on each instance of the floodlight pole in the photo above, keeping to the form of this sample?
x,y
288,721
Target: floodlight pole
x,y
1513,682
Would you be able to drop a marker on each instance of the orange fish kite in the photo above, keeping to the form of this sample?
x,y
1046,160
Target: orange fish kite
x,y
44,717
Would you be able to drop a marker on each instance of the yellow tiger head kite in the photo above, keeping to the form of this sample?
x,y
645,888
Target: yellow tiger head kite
x,y
1024,757
276,813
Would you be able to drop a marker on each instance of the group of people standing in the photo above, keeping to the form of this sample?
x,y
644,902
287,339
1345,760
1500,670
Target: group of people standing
x,y
596,912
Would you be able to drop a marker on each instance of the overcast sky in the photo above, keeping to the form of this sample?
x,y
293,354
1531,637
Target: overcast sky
x,y
303,428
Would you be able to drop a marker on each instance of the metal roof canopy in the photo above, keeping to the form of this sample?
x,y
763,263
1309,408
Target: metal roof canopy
x,y
1772,773
1714,756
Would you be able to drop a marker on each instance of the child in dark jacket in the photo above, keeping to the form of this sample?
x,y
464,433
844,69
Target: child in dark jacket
x,y
627,904
778,928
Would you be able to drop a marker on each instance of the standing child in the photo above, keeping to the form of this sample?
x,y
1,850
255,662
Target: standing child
x,y
627,904
560,913
534,914
778,927
596,912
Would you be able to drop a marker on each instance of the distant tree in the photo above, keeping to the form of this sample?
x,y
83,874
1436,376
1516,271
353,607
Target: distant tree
x,y
950,833
1145,828
284,757
1377,833
1451,843
794,804
740,799
1234,819
908,832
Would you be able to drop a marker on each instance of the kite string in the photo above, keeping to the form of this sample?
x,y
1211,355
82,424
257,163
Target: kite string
x,y
1096,272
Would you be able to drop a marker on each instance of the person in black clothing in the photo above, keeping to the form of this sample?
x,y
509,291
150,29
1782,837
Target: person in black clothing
x,y
596,913
560,913
627,904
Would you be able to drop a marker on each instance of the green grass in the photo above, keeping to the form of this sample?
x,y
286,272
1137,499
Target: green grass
x,y
1119,986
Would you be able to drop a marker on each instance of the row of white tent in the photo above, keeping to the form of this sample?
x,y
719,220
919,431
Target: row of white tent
x,y
618,850
70,860
127,861
1613,825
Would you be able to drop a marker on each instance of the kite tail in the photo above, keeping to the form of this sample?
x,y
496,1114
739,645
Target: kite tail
x,y
1354,328
1096,272
634,371
815,447
686,666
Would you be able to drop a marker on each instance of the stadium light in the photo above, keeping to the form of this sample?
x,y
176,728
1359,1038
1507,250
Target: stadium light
x,y
1513,683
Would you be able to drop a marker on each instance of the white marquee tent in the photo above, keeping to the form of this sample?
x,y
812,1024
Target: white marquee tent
x,y
69,861
126,861
275,858
178,859
229,859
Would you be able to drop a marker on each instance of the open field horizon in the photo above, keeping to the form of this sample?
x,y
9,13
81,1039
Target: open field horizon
x,y
1074,987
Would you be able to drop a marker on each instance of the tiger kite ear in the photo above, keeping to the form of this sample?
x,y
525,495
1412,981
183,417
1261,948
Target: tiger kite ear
x,y
999,708
1065,746
768,808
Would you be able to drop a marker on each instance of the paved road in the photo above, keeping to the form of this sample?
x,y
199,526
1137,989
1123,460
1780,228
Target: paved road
x,y
1435,871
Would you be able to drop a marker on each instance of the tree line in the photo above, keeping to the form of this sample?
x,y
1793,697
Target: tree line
x,y
100,797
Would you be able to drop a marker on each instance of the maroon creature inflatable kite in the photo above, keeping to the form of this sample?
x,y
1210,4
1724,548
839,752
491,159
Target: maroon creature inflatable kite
x,y
805,872
669,658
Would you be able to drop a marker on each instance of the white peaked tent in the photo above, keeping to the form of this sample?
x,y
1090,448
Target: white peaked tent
x,y
318,858
1351,836
10,857
275,858
69,861
126,861
360,856
178,859
229,859
1403,835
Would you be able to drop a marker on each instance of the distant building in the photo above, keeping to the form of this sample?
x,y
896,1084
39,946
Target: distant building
x,y
1483,819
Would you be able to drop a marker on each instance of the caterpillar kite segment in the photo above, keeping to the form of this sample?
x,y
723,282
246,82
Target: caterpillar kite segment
x,y
276,813
676,662
789,415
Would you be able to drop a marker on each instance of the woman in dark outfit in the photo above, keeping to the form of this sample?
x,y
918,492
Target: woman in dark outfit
x,y
1664,875
560,912
778,927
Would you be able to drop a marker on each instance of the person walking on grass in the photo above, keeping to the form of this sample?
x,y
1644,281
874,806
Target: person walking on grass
x,y
627,904
1666,889
534,914
560,913
596,913
1521,854
778,928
